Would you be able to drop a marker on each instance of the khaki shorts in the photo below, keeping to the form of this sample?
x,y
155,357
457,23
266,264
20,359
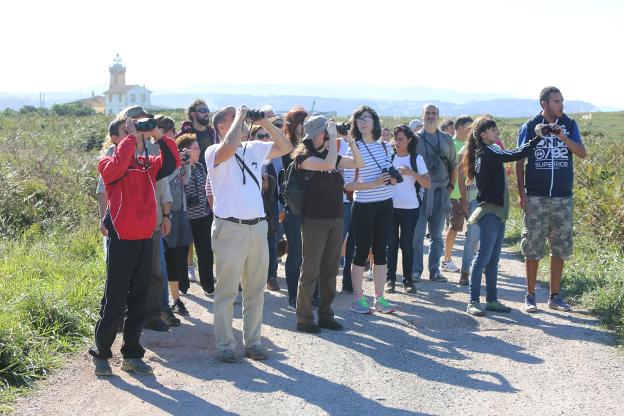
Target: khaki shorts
x,y
547,218
457,216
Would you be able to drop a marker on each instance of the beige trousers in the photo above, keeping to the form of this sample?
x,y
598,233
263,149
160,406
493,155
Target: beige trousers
x,y
241,255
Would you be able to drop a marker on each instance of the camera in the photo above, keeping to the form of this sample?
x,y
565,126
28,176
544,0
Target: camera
x,y
394,173
192,200
550,129
145,124
343,128
185,156
255,115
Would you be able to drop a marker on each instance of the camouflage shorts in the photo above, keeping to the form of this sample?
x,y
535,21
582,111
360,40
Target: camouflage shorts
x,y
547,217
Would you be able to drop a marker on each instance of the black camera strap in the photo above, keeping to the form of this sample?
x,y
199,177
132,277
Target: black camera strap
x,y
242,163
371,153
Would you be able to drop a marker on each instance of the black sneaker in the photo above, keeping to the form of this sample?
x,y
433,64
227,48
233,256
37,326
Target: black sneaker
x,y
390,286
310,328
157,325
330,324
101,367
437,278
179,308
169,318
409,287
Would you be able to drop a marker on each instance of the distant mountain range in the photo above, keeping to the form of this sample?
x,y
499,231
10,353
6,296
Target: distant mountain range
x,y
387,101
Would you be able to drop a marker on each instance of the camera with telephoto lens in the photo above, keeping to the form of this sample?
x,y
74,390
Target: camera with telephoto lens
x,y
255,115
192,200
394,173
343,128
145,124
184,155
550,129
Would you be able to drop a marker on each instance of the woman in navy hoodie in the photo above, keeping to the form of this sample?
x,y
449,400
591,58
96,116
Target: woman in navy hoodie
x,y
483,162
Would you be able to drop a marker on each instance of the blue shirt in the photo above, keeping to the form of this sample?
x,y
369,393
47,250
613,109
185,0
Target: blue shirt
x,y
549,170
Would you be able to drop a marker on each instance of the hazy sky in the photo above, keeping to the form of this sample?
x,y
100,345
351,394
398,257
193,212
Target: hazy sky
x,y
507,47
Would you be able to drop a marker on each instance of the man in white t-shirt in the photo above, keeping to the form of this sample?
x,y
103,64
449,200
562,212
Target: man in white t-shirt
x,y
239,231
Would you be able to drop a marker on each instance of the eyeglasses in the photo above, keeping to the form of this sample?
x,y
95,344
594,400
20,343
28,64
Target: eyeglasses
x,y
203,110
364,119
263,136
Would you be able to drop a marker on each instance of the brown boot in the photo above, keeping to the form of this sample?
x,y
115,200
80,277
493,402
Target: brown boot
x,y
273,284
463,280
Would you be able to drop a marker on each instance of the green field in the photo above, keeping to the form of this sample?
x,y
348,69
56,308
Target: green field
x,y
51,265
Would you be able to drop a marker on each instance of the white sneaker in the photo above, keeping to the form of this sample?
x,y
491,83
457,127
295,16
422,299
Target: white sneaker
x,y
449,266
369,274
191,273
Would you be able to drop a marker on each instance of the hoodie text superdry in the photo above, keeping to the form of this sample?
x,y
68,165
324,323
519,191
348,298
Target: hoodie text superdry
x,y
549,170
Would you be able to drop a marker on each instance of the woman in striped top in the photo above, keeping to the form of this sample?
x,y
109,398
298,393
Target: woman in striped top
x,y
199,213
372,208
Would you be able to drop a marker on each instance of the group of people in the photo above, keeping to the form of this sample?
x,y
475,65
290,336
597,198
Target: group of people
x,y
345,195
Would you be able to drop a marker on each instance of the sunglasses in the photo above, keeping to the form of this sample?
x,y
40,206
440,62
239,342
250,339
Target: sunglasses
x,y
203,110
364,118
263,136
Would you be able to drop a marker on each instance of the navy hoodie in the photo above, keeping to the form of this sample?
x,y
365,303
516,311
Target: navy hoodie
x,y
549,170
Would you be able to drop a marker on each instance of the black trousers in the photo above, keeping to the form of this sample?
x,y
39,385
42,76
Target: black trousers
x,y
177,267
402,235
154,301
201,228
371,225
128,269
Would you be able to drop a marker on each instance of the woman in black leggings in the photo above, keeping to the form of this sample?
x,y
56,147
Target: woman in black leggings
x,y
372,208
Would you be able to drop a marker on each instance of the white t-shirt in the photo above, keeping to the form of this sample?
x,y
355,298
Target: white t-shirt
x,y
232,198
404,193
344,148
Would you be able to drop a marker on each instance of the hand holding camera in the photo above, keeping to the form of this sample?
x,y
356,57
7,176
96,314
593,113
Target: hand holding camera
x,y
343,128
331,130
545,130
185,156
395,176
129,128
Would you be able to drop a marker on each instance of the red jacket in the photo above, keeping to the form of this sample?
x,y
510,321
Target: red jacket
x,y
131,186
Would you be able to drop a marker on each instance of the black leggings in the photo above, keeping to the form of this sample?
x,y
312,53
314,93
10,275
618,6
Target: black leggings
x,y
203,248
177,269
371,223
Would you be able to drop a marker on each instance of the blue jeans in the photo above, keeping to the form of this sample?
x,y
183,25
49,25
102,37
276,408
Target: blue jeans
x,y
165,276
490,243
471,241
436,225
402,233
292,229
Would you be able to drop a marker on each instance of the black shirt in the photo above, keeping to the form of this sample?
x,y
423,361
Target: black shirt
x,y
322,192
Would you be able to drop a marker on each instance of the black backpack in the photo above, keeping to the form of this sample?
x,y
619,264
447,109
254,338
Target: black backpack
x,y
292,186
419,191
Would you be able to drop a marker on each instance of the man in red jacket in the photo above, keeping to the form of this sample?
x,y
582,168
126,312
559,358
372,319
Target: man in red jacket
x,y
129,177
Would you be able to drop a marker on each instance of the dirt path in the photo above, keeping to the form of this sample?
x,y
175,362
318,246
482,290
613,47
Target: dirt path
x,y
429,358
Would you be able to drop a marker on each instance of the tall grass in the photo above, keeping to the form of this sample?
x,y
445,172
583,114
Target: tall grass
x,y
51,266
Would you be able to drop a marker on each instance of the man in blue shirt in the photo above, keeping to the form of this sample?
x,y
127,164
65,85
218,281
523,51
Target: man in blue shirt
x,y
545,189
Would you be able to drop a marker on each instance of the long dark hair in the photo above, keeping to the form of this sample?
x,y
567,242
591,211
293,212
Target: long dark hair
x,y
411,146
475,144
355,131
292,119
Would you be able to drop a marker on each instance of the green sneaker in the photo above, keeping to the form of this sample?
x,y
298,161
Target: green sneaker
x,y
136,365
474,308
383,306
496,306
360,306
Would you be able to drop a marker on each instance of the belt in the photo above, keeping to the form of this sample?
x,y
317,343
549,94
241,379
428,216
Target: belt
x,y
243,222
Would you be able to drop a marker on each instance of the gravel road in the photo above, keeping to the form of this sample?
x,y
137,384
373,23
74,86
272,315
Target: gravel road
x,y
429,358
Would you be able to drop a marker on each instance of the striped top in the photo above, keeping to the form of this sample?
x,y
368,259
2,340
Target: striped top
x,y
194,191
374,156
